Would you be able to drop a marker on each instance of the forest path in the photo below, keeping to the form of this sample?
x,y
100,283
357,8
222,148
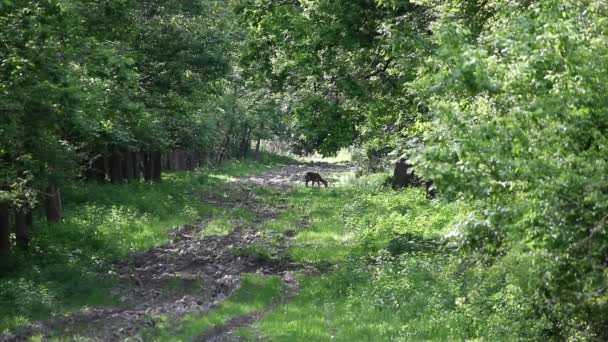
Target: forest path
x,y
195,272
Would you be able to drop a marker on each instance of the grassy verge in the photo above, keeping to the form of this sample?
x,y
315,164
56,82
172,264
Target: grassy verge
x,y
104,223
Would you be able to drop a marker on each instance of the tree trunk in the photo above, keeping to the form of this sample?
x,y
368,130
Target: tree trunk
x,y
137,165
116,175
106,167
21,228
431,192
404,175
247,143
147,162
129,165
156,165
29,219
167,162
171,161
257,146
54,212
5,230
181,160
401,177
191,161
98,170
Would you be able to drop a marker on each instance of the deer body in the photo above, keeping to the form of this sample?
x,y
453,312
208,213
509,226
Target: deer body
x,y
315,178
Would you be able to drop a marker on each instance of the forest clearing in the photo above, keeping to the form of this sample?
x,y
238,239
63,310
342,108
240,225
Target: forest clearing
x,y
296,170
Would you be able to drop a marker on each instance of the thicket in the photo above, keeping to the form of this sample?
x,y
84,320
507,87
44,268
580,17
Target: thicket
x,y
501,103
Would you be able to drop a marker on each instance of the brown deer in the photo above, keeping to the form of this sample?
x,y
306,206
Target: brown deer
x,y
315,178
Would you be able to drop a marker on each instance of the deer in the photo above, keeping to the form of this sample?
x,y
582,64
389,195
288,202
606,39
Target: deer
x,y
315,178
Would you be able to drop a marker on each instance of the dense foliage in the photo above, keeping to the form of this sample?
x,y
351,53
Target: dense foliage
x,y
522,129
501,103
117,91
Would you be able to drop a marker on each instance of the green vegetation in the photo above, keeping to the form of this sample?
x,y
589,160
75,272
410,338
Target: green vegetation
x,y
500,103
394,267
499,106
115,92
255,294
103,224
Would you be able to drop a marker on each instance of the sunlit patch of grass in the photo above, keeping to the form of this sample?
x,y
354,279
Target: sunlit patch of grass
x,y
260,251
255,294
408,299
227,219
279,225
246,334
344,155
218,227
315,214
322,253
371,294
261,162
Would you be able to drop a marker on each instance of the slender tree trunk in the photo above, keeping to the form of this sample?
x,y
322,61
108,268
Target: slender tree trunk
x,y
106,167
98,169
147,161
5,230
21,228
29,219
137,165
116,168
199,159
156,166
220,157
247,142
54,212
181,160
171,161
257,146
129,165
190,160
167,162
123,164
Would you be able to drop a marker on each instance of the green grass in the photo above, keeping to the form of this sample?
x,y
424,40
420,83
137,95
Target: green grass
x,y
264,161
394,275
255,294
371,294
342,156
64,269
226,219
360,304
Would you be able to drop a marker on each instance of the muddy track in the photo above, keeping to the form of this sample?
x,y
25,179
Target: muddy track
x,y
207,269
225,332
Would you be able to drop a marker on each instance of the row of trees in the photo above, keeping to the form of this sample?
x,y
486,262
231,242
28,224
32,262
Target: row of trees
x,y
116,91
502,103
